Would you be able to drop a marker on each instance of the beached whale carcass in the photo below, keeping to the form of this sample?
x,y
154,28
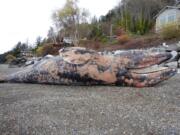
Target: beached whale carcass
x,y
81,66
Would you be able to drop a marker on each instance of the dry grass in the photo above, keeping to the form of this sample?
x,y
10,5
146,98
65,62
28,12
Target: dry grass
x,y
170,31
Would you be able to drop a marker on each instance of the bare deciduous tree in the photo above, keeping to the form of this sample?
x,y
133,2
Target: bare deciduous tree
x,y
69,18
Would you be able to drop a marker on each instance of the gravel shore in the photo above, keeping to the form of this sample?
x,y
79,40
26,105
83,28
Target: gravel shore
x,y
32,109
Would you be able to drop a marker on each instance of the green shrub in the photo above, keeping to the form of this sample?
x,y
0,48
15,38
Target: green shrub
x,y
114,42
96,32
103,39
10,58
170,31
47,49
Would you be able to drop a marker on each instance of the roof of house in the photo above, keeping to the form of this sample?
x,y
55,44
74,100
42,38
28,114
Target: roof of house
x,y
178,3
167,7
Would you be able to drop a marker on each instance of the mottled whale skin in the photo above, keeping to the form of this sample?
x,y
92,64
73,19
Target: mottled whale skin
x,y
80,66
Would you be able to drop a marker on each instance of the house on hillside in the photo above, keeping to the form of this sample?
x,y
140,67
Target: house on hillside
x,y
168,15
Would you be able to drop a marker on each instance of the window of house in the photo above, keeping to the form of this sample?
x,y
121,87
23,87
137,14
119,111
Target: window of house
x,y
162,20
171,18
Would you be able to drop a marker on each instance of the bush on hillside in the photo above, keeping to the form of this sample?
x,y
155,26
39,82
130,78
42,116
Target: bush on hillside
x,y
43,51
170,31
103,39
119,31
9,58
123,39
46,49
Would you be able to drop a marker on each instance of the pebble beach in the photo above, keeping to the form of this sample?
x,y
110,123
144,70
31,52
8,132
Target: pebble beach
x,y
33,109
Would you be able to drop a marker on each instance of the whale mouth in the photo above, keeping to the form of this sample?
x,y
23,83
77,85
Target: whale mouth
x,y
150,76
149,70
